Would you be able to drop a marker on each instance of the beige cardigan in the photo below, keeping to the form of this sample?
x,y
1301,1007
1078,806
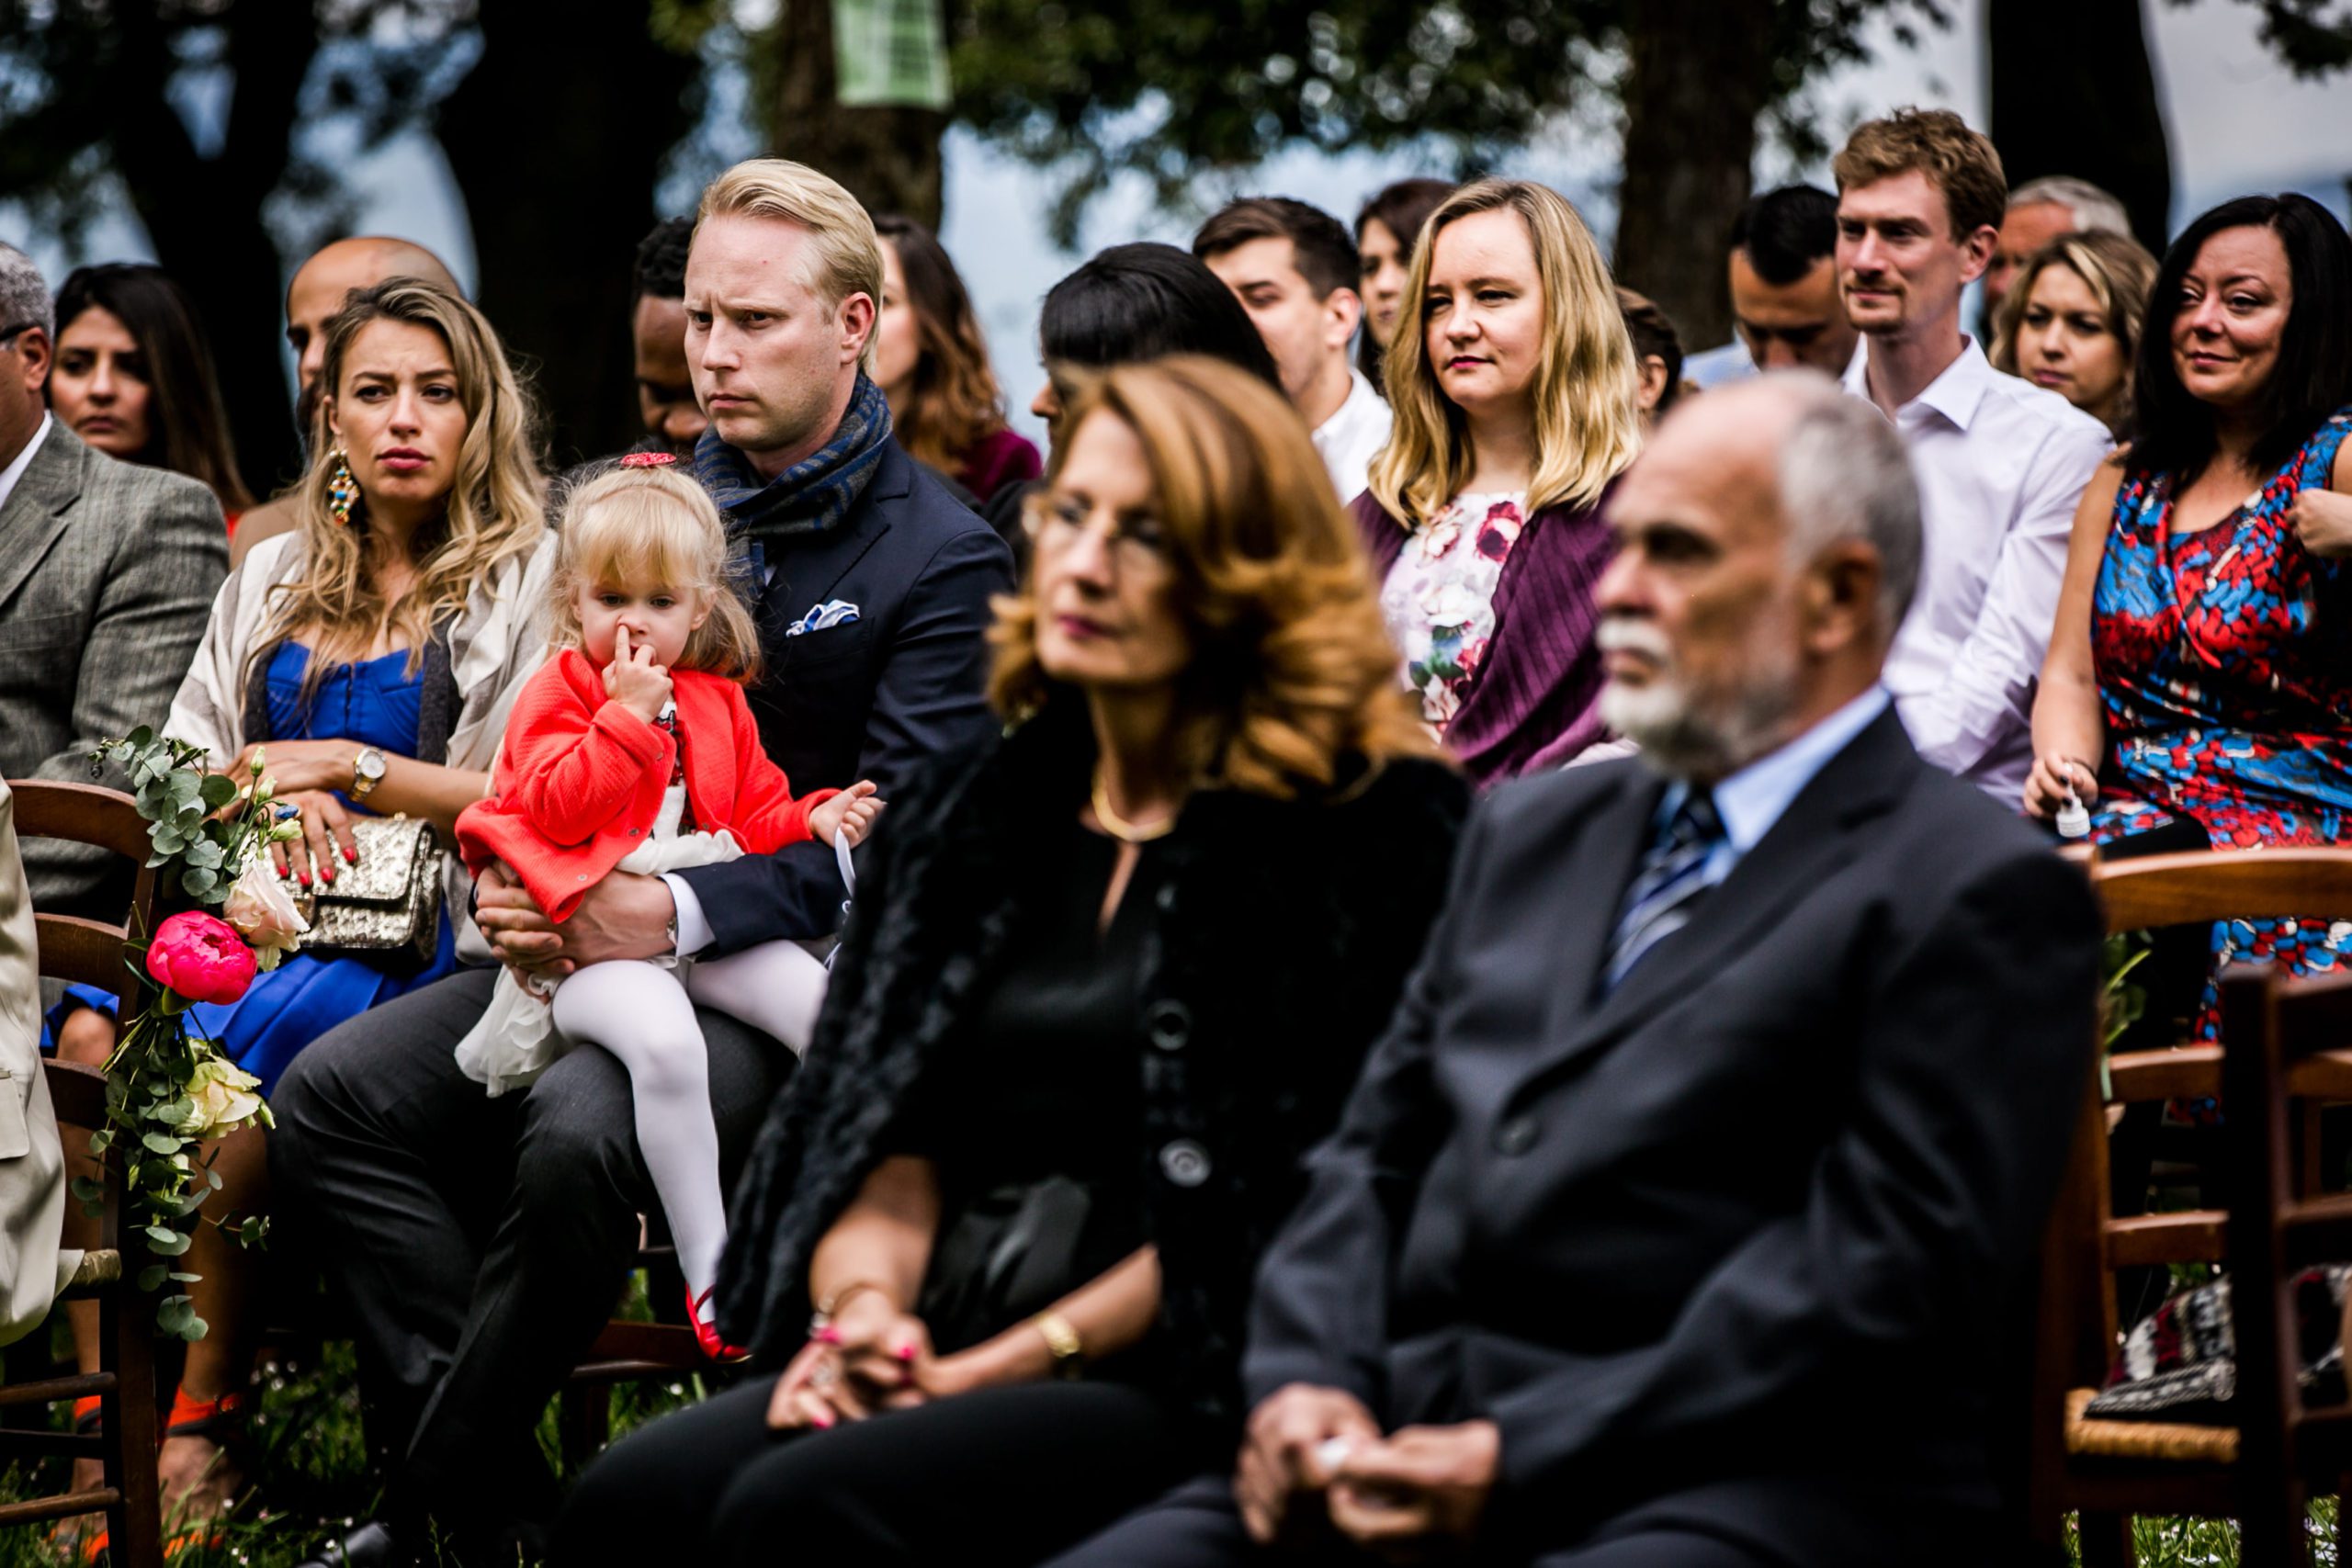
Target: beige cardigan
x,y
498,642
33,1268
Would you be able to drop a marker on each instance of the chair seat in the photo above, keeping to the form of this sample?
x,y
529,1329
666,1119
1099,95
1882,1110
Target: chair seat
x,y
2177,1442
100,1267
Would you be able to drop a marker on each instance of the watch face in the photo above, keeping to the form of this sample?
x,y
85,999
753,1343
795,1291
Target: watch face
x,y
369,764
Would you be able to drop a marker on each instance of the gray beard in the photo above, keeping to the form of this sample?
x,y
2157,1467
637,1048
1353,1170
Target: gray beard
x,y
1680,739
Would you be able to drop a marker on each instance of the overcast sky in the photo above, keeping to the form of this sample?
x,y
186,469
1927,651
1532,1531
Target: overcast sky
x,y
2238,121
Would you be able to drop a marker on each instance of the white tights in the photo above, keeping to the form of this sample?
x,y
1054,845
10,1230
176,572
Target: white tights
x,y
642,1014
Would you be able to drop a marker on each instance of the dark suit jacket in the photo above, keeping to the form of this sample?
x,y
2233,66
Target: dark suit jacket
x,y
868,698
1746,1223
107,571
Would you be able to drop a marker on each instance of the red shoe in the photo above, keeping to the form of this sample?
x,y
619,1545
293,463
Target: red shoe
x,y
706,1333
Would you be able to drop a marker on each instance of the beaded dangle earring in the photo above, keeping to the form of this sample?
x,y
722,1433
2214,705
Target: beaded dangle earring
x,y
342,490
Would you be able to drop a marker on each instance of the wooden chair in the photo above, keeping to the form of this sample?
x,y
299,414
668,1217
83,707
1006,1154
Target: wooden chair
x,y
2285,1048
2107,1472
624,1352
91,952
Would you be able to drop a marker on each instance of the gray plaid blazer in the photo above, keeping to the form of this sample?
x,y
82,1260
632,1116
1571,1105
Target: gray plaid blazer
x,y
107,571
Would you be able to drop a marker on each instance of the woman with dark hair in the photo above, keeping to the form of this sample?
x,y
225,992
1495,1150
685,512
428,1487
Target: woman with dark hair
x,y
1657,353
933,367
2199,677
133,378
1073,1052
1386,230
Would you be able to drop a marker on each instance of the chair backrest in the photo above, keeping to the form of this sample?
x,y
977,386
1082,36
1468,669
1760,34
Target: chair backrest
x,y
88,951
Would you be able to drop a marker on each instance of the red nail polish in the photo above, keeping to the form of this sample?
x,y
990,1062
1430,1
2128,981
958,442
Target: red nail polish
x,y
351,857
327,871
829,1335
906,1352
305,877
825,1421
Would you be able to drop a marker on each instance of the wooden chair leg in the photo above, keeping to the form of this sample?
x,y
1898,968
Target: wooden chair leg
x,y
2106,1539
583,1423
134,1526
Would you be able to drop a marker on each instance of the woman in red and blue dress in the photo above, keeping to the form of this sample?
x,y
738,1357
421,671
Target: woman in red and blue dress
x,y
2197,692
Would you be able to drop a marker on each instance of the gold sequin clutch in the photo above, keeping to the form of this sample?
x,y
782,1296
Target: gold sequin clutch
x,y
386,899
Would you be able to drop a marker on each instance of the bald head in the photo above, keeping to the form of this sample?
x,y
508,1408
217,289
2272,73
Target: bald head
x,y
322,283
1769,537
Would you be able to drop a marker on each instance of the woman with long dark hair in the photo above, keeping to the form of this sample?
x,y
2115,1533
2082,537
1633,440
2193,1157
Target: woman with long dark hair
x,y
1386,230
932,362
134,376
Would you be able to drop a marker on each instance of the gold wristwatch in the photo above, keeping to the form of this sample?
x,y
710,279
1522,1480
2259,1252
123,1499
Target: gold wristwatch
x,y
1062,1339
367,772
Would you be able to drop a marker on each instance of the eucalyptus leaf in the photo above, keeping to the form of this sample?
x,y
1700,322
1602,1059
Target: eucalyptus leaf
x,y
161,1143
151,1276
165,1240
219,790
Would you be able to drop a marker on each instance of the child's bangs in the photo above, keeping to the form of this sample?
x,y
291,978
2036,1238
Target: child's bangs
x,y
645,539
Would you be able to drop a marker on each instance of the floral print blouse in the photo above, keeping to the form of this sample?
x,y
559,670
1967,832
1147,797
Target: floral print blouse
x,y
1440,597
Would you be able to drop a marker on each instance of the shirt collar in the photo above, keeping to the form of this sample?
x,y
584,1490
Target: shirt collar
x,y
1352,409
1755,797
15,471
1955,394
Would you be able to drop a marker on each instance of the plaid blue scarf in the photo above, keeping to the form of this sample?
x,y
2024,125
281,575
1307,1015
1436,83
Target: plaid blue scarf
x,y
814,493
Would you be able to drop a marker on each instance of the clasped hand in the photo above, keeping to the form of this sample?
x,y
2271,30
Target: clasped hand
x,y
1313,1461
871,1356
623,916
304,774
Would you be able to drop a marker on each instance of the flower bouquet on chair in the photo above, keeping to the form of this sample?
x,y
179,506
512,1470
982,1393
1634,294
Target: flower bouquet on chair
x,y
170,1091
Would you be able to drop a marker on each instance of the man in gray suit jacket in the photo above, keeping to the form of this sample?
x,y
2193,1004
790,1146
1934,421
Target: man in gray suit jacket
x,y
1673,1222
107,572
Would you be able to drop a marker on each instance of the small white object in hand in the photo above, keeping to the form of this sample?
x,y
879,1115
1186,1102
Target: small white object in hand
x,y
1333,1453
2073,821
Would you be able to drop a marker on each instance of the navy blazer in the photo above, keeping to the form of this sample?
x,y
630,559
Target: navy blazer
x,y
867,698
1747,1224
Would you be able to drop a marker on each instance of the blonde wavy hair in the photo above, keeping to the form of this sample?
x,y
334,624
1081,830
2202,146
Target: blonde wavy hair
x,y
845,256
1291,668
493,510
652,527
1587,386
2120,275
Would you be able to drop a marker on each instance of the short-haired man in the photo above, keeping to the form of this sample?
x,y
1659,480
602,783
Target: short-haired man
x,y
1730,1093
1783,273
665,387
481,1242
2000,463
321,284
2039,211
107,573
1293,269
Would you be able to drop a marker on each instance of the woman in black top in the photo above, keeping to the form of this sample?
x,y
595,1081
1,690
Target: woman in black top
x,y
1107,979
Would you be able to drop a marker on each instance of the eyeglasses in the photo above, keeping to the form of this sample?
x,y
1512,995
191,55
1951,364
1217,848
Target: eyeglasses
x,y
1137,545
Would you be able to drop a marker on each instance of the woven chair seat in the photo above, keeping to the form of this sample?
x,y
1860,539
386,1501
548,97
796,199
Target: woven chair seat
x,y
100,1267
2178,1442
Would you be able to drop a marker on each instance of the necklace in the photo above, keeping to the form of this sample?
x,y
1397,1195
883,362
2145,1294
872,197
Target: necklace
x,y
1118,827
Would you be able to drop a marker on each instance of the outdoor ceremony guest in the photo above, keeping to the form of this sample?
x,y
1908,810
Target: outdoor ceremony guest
x,y
321,284
1658,355
2038,212
1109,979
480,1243
375,653
1125,305
2073,322
1783,273
2000,464
657,329
932,362
1720,1118
135,377
1293,269
2201,675
1516,409
1386,230
105,571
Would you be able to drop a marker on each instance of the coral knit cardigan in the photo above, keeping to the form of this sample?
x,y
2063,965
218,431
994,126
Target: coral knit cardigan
x,y
580,781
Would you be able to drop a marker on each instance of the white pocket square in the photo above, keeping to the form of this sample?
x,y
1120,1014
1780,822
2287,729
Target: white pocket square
x,y
834,613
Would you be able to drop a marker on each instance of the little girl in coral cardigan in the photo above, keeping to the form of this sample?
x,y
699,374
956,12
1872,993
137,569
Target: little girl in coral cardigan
x,y
633,750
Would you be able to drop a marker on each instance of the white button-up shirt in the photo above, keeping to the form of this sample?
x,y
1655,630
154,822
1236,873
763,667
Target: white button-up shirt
x,y
24,460
1353,436
2001,465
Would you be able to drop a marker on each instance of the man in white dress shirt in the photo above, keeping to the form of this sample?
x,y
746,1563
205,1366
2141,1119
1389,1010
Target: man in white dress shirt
x,y
2001,464
1293,269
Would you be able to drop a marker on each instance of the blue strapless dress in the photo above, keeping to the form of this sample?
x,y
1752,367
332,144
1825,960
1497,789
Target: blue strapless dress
x,y
370,703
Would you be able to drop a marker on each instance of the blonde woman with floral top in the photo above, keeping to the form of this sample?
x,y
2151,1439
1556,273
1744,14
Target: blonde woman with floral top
x,y
1516,398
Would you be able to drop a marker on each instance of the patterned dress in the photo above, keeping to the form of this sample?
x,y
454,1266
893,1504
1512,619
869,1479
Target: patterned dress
x,y
1439,600
2224,661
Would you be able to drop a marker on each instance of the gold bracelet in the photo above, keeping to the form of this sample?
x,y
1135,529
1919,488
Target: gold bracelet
x,y
1061,1338
830,1308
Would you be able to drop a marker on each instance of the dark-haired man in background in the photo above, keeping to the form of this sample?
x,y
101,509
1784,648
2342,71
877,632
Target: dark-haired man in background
x,y
1784,304
657,326
1293,269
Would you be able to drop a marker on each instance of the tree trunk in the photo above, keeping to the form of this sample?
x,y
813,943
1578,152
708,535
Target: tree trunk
x,y
1699,72
887,155
204,216
556,138
2073,94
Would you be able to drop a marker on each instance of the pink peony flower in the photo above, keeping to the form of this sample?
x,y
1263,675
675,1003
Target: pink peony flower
x,y
200,957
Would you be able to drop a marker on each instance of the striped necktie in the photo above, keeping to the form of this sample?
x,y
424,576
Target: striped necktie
x,y
1665,890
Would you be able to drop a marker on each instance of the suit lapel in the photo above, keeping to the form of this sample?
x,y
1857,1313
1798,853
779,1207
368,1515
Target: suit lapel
x,y
35,515
1818,833
1611,841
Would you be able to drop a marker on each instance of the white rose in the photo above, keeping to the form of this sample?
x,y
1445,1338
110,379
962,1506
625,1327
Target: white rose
x,y
265,915
222,1099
